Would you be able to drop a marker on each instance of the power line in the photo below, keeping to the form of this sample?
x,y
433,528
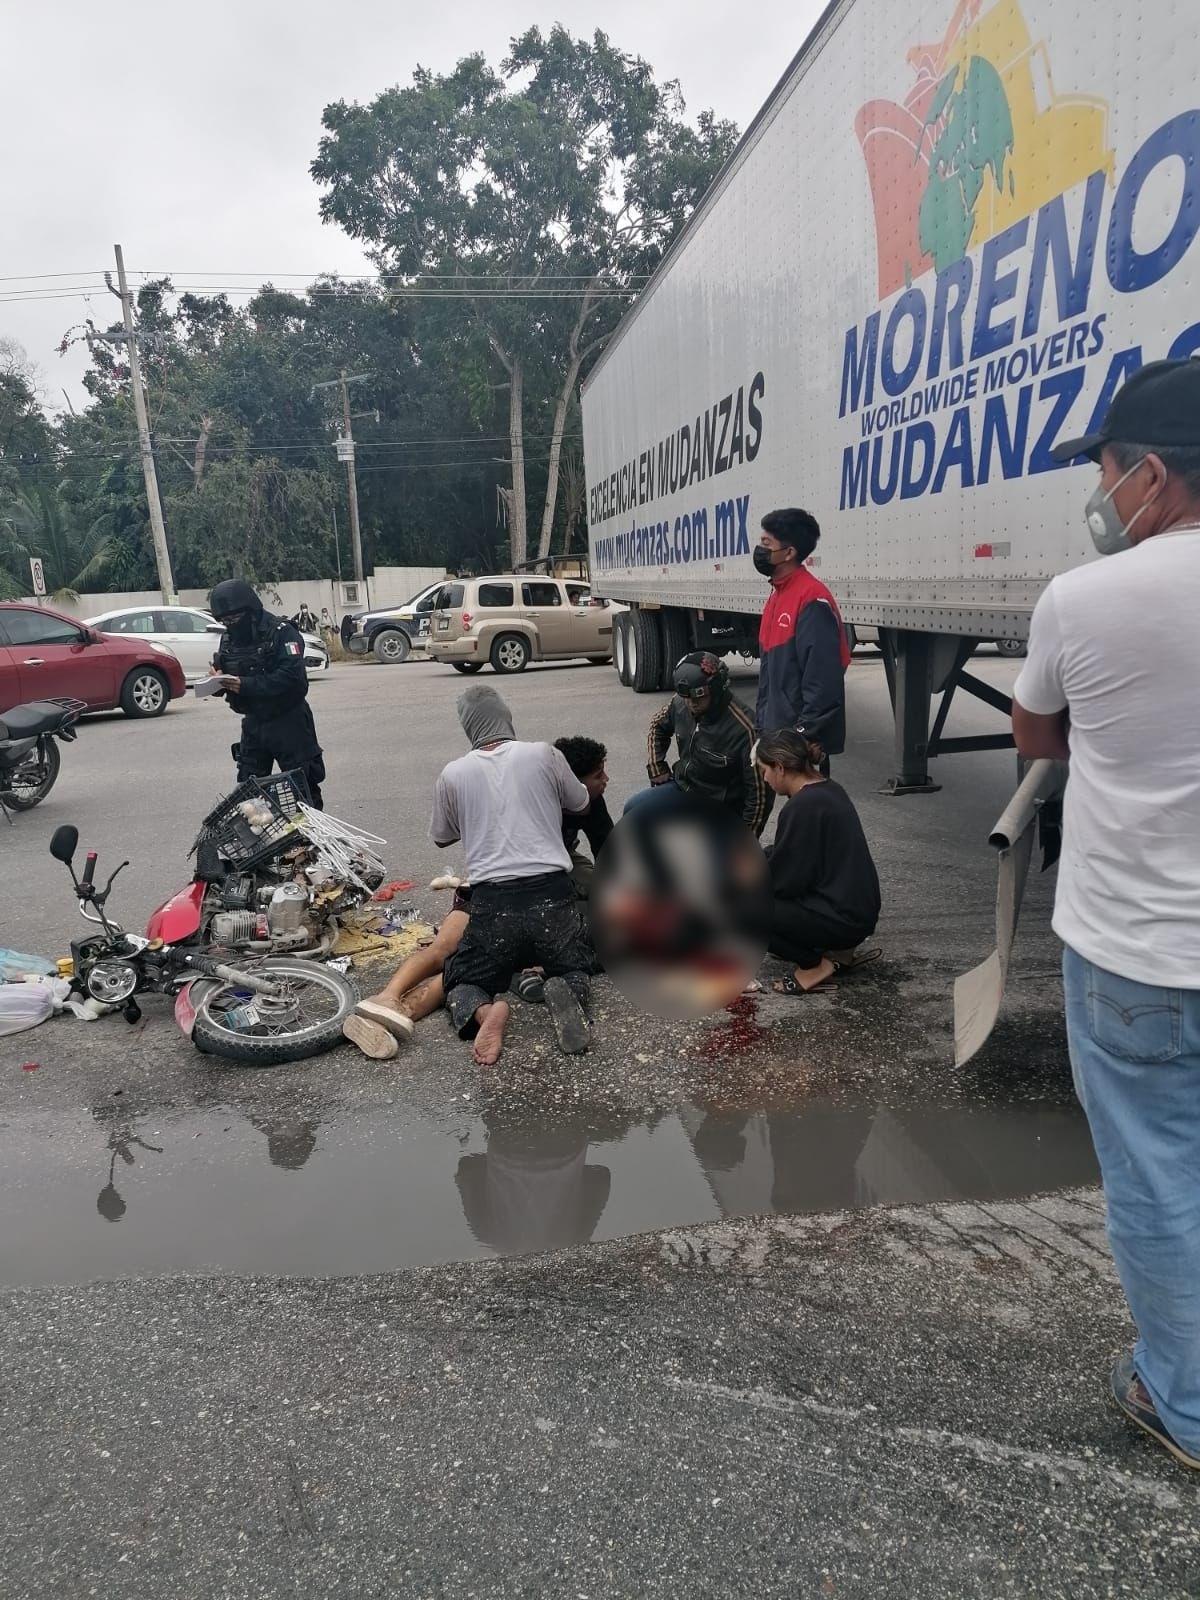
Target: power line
x,y
86,272
598,298
377,444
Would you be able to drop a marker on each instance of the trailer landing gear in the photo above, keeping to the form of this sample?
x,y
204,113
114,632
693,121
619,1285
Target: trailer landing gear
x,y
918,666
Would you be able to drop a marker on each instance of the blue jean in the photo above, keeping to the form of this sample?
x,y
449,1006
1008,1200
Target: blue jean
x,y
1135,1056
657,794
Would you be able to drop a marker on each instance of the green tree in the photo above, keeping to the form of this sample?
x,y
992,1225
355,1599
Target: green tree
x,y
38,521
537,197
27,445
236,385
253,518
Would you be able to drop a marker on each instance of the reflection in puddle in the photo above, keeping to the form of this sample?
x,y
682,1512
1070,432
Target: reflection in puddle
x,y
214,1191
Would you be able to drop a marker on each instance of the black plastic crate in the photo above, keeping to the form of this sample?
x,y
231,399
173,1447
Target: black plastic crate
x,y
228,831
285,790
241,847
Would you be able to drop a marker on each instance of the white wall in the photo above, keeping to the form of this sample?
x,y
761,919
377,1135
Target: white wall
x,y
387,586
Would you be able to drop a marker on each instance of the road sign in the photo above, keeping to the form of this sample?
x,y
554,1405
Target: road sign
x,y
38,575
345,448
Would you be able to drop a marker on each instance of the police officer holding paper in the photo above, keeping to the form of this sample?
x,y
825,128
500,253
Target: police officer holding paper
x,y
260,666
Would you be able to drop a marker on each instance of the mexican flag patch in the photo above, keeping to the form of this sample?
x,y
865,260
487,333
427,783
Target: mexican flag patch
x,y
294,649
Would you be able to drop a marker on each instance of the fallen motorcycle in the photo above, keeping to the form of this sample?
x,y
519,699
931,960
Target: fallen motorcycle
x,y
259,1011
29,759
272,877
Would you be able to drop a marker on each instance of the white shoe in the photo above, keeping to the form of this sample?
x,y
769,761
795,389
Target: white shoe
x,y
397,1024
371,1038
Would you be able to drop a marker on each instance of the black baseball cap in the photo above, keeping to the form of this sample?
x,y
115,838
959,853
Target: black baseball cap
x,y
1160,405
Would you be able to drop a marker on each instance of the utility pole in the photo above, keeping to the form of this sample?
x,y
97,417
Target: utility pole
x,y
355,536
162,556
345,452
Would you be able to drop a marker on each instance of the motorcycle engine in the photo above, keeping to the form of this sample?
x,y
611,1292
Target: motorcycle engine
x,y
237,894
233,928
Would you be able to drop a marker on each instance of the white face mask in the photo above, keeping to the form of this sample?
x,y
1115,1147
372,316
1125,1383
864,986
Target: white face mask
x,y
1109,534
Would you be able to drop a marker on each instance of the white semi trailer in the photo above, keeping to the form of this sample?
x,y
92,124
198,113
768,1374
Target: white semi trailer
x,y
953,230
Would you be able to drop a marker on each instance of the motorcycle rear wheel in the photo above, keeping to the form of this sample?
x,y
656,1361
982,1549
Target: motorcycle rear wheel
x,y
325,1000
41,764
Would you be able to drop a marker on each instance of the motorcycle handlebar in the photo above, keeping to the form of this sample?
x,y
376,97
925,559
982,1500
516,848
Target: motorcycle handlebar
x,y
89,869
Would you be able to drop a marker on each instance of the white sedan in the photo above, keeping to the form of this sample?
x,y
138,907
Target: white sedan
x,y
191,634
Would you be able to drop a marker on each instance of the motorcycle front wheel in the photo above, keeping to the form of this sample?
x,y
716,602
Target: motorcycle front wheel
x,y
32,780
265,1031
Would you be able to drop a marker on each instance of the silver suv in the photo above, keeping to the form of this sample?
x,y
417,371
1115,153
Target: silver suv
x,y
511,619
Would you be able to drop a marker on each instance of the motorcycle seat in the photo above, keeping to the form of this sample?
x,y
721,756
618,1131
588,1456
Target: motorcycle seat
x,y
37,716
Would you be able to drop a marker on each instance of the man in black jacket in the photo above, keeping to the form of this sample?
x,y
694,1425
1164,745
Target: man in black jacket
x,y
261,664
714,734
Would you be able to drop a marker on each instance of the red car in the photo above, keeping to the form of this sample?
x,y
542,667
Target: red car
x,y
45,656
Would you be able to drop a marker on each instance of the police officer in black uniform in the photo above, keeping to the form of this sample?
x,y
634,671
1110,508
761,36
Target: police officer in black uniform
x,y
262,657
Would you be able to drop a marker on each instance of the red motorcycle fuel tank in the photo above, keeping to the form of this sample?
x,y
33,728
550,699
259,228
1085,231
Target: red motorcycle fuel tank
x,y
178,919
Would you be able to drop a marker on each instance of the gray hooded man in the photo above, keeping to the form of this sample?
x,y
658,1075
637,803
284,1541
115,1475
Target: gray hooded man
x,y
503,803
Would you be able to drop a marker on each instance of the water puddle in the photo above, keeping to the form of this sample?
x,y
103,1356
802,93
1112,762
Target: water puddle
x,y
108,1195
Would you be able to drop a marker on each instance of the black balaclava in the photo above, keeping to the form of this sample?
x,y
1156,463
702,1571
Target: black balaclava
x,y
236,595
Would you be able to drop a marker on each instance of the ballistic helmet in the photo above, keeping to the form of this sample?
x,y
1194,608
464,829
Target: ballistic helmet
x,y
234,597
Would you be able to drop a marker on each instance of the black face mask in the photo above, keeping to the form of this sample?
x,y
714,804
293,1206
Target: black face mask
x,y
240,629
764,560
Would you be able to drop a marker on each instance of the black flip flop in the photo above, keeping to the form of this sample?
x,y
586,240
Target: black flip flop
x,y
789,985
531,986
570,1025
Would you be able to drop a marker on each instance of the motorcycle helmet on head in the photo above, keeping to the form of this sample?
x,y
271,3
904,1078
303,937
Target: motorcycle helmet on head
x,y
699,671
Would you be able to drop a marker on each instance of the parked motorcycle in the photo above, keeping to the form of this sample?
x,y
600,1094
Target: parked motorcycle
x,y
261,1012
29,759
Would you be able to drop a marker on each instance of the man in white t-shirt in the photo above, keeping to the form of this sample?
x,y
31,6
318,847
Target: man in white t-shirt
x,y
1112,683
504,802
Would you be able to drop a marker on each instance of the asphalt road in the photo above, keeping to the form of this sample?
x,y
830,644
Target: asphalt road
x,y
139,789
845,1098
218,1382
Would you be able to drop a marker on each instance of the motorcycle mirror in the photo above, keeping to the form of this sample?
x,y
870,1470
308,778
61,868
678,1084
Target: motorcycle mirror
x,y
64,843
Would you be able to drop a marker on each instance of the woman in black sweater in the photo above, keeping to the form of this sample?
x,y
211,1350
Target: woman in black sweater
x,y
826,889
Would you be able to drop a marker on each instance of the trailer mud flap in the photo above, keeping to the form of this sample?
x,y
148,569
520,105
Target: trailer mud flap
x,y
978,994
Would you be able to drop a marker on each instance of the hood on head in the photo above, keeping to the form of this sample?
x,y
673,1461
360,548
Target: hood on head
x,y
484,716
234,594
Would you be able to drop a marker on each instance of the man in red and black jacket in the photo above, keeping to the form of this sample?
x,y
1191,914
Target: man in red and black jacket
x,y
804,654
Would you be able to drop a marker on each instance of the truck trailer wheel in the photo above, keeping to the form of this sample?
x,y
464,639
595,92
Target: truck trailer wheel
x,y
676,636
645,652
621,647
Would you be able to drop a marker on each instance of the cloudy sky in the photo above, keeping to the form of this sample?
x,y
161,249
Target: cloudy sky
x,y
184,133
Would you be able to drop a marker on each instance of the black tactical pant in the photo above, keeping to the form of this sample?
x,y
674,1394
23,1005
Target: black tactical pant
x,y
527,922
802,934
287,742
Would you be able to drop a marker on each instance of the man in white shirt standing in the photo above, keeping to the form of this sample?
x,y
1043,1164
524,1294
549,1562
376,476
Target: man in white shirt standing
x,y
504,801
1112,683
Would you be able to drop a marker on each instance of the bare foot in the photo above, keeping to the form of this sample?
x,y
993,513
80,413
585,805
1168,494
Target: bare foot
x,y
489,1041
